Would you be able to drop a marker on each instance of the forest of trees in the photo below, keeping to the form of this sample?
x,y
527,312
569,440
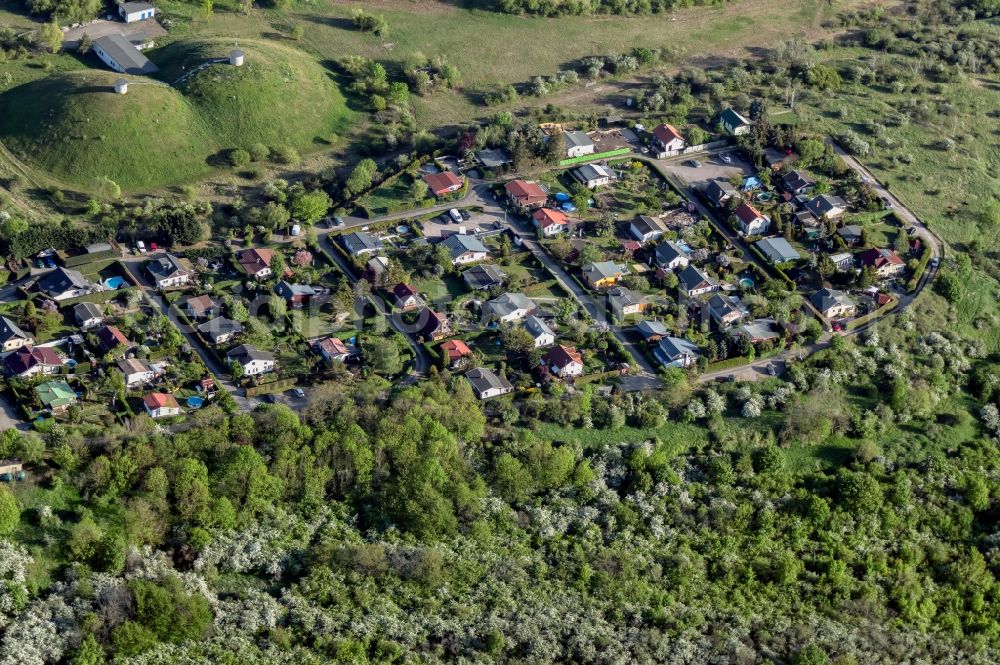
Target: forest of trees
x,y
845,512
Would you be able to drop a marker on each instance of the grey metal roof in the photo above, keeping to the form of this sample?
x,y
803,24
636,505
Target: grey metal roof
x,y
483,379
491,159
603,269
360,241
824,299
577,139
537,327
674,348
651,328
777,250
510,302
87,310
124,52
133,7
460,243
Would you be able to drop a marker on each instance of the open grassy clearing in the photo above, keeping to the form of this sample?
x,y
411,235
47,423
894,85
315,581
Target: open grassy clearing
x,y
491,48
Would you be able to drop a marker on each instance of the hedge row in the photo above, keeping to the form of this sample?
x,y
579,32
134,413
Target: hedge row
x,y
925,258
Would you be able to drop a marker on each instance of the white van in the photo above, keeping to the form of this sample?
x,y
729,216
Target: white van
x,y
140,246
456,216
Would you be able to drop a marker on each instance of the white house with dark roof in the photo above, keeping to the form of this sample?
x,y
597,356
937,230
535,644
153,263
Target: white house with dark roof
x,y
734,122
465,248
486,383
723,311
671,256
169,271
131,12
578,144
220,330
593,176
63,284
123,56
693,282
12,337
509,307
826,206
833,304
360,243
646,229
88,315
252,360
676,352
797,183
540,332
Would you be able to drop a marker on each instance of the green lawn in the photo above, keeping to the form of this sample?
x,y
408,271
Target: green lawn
x,y
677,436
392,198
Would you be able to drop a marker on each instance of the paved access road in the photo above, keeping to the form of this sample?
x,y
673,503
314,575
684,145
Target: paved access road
x,y
421,360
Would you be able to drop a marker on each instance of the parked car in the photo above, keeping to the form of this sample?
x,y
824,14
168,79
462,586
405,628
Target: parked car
x,y
298,392
338,221
466,215
140,246
455,215
726,159
693,163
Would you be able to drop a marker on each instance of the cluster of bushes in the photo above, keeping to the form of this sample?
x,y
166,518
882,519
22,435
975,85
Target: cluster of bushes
x,y
588,7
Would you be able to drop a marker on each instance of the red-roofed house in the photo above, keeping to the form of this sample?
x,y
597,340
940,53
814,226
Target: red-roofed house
x,y
525,194
444,183
885,261
161,405
565,361
456,350
333,348
28,361
435,326
111,339
405,297
667,140
550,221
751,221
257,262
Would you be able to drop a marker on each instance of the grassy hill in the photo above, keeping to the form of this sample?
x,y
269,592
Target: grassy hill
x,y
73,126
280,96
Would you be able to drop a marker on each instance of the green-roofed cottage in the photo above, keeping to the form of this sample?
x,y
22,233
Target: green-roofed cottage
x,y
56,396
